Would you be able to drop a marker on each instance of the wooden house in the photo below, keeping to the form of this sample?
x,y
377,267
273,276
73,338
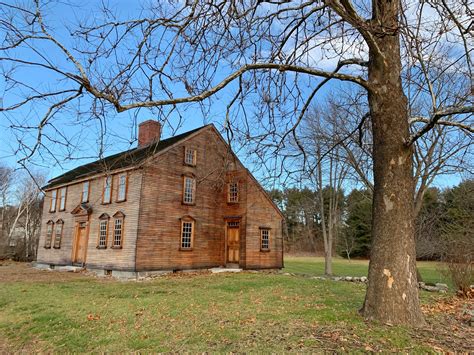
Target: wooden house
x,y
185,202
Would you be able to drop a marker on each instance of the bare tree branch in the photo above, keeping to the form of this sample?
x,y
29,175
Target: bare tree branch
x,y
435,118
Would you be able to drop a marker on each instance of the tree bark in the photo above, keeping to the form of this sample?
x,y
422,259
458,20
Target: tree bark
x,y
392,291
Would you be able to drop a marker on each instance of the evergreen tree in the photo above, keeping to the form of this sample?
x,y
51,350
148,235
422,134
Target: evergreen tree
x,y
357,231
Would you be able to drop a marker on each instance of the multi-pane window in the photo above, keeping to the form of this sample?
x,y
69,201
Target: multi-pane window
x,y
264,239
62,198
85,191
190,156
118,232
107,193
58,234
189,190
54,196
49,234
103,225
187,234
233,193
122,187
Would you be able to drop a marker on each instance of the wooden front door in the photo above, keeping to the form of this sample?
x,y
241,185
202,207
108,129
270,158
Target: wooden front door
x,y
233,244
80,243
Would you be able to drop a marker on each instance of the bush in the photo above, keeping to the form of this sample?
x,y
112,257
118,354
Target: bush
x,y
459,261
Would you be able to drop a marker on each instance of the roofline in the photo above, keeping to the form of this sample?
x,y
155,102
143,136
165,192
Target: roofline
x,y
90,177
275,206
212,127
192,135
152,156
265,193
132,167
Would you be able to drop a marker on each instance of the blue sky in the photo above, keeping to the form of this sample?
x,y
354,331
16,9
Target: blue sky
x,y
121,127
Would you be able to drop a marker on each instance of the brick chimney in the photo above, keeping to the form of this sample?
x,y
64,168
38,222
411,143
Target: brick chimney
x,y
148,132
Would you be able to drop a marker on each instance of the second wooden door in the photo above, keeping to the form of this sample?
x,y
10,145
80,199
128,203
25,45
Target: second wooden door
x,y
233,245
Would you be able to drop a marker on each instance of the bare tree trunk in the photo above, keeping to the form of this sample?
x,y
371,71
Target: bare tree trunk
x,y
27,230
327,237
392,292
19,212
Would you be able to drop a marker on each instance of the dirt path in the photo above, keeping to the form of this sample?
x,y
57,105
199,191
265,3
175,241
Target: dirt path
x,y
11,271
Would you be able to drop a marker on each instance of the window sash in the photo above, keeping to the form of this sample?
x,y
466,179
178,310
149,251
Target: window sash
x,y
189,187
187,235
52,206
49,235
122,188
58,235
233,193
190,156
118,233
85,191
62,198
265,239
107,194
103,226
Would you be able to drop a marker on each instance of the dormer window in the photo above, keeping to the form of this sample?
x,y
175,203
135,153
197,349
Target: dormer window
x,y
107,192
233,192
190,156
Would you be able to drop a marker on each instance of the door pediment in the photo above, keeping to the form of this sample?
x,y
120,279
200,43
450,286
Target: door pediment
x,y
83,209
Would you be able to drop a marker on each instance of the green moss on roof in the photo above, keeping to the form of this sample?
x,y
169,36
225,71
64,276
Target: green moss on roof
x,y
121,160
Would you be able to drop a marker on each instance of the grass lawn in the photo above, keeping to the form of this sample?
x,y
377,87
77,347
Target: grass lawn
x,y
430,271
52,311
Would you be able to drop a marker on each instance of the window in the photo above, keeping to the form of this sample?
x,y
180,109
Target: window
x,y
49,234
58,234
107,193
85,191
118,230
233,192
264,239
103,231
52,206
187,234
190,156
62,198
122,188
189,190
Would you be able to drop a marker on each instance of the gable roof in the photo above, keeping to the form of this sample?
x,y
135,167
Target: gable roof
x,y
128,158
135,156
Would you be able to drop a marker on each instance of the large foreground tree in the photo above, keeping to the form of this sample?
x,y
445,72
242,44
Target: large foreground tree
x,y
268,60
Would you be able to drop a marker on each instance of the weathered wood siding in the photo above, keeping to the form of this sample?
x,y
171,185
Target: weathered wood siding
x,y
262,214
159,234
153,211
95,258
158,244
237,174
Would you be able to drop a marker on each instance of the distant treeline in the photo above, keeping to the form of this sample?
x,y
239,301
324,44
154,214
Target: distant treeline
x,y
445,219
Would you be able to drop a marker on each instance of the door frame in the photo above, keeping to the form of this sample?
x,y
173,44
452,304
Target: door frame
x,y
228,220
76,240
